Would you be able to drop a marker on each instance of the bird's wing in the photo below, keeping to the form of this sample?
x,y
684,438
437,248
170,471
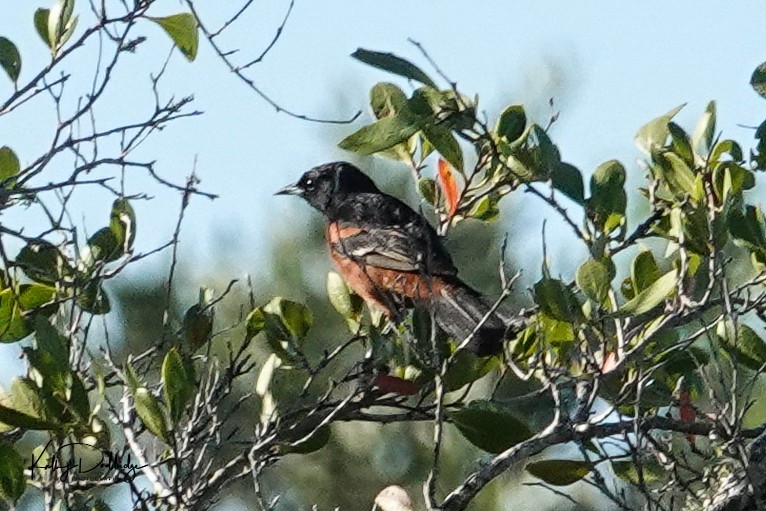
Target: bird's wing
x,y
396,247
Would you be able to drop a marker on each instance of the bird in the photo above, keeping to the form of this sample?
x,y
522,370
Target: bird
x,y
393,258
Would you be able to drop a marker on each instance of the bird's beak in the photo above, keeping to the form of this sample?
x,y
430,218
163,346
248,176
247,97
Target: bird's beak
x,y
292,189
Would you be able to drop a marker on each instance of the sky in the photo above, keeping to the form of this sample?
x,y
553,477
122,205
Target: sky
x,y
610,67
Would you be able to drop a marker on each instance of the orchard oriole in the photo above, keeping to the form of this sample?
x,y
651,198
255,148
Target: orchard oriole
x,y
392,257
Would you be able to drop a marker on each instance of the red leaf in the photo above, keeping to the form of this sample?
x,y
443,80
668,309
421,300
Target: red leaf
x,y
394,385
449,186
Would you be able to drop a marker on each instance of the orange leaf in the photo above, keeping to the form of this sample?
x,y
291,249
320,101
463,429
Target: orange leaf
x,y
448,185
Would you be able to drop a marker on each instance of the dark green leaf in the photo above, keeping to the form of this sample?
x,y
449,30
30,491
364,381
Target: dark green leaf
x,y
747,347
150,412
428,190
296,316
10,59
18,419
568,180
677,174
182,29
9,167
748,228
12,480
93,299
467,368
559,472
41,25
705,130
594,279
681,144
386,99
42,261
103,246
122,222
654,134
178,385
512,123
607,203
644,271
557,301
758,80
650,297
317,440
382,134
197,326
443,141
52,343
489,426
393,64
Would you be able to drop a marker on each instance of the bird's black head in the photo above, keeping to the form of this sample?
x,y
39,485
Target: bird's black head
x,y
325,183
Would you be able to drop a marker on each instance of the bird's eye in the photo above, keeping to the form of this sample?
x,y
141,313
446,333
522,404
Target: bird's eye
x,y
309,183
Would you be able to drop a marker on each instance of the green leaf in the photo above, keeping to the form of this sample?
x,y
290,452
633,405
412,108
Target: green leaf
x,y
559,472
50,342
643,271
393,64
607,203
60,23
489,426
594,279
150,412
650,297
178,385
14,323
682,146
340,295
41,25
650,472
486,210
568,180
386,99
103,247
382,134
26,398
748,229
467,368
18,419
9,167
10,59
705,130
122,222
296,316
93,299
182,29
444,142
428,190
512,123
557,300
197,326
254,323
758,80
747,347
677,174
12,480
654,134
42,261
318,440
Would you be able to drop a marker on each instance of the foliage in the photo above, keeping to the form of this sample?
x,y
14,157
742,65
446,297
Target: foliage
x,y
651,348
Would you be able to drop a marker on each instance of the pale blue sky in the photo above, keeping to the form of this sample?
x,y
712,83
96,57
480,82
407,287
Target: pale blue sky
x,y
622,64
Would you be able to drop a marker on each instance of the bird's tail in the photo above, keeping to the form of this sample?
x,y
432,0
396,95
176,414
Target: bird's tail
x,y
461,312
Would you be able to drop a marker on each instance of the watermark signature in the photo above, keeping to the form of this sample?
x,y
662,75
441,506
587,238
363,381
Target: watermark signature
x,y
82,461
